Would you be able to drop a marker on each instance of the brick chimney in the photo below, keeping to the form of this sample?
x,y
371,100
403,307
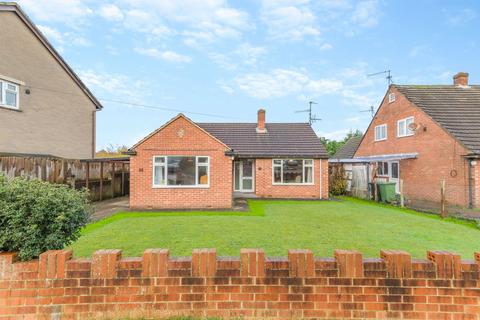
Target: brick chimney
x,y
261,121
461,79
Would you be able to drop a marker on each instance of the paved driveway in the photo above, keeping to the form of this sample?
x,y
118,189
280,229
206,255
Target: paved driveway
x,y
108,207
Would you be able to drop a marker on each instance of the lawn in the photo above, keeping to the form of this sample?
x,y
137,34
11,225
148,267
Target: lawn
x,y
277,226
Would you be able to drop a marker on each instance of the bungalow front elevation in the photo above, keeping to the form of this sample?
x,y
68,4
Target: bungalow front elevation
x,y
186,165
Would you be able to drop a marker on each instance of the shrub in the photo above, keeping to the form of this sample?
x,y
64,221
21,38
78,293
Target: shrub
x,y
338,183
36,216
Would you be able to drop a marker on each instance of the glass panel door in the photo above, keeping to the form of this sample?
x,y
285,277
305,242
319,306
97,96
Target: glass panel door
x,y
394,174
243,176
247,175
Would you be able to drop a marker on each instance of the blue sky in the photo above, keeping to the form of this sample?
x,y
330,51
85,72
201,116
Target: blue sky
x,y
226,59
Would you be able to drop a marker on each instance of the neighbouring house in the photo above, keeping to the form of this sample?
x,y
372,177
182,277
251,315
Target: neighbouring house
x,y
355,173
187,165
426,134
45,109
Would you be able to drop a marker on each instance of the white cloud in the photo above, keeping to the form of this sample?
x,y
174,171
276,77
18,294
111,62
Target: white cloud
x,y
117,85
225,87
244,54
460,17
289,20
283,82
366,13
326,47
419,50
62,39
70,12
356,119
111,12
334,135
249,54
197,22
168,56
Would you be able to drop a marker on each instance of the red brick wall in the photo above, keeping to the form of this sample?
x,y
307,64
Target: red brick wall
x,y
300,286
265,188
180,137
438,153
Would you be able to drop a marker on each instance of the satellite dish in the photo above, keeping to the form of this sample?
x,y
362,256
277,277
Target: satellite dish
x,y
414,126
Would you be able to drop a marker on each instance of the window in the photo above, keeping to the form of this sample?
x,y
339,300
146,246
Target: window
x,y
292,171
181,171
403,127
381,132
382,168
391,97
8,94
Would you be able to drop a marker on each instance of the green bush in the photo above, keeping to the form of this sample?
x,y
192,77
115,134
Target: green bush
x,y
36,216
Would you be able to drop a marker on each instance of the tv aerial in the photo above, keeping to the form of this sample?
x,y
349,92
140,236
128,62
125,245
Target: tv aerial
x,y
371,110
387,73
311,117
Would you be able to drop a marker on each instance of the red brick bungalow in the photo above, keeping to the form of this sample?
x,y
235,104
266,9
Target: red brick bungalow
x,y
427,133
186,165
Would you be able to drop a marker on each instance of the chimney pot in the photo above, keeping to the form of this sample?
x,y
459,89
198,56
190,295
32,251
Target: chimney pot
x,y
461,79
261,121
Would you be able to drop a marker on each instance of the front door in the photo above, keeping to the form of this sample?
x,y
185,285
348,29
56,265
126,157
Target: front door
x,y
244,176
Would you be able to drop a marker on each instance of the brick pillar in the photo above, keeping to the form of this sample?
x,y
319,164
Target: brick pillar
x,y
6,261
448,264
477,257
399,263
155,263
204,262
350,263
301,263
252,263
51,264
104,263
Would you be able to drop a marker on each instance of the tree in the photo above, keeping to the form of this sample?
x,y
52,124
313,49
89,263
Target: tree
x,y
112,151
332,146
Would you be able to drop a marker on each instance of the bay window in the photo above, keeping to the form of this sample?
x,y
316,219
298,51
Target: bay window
x,y
181,171
292,171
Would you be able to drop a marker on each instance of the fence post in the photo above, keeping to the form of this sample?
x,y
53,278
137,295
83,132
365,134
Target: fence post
x,y
112,184
101,180
443,211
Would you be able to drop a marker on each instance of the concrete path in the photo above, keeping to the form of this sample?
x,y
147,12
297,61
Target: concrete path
x,y
108,207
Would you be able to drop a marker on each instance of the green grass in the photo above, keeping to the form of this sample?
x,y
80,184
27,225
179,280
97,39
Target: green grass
x,y
277,226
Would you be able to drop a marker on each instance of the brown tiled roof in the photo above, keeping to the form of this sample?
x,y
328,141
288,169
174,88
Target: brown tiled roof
x,y
280,140
455,108
347,151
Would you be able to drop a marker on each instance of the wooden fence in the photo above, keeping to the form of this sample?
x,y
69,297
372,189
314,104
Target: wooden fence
x,y
97,175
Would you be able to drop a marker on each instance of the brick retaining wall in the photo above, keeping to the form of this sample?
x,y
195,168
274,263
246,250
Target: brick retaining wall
x,y
301,286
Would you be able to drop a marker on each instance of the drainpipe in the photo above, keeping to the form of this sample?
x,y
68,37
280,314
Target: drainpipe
x,y
470,191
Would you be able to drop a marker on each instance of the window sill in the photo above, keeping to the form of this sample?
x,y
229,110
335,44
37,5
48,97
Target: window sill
x,y
406,136
293,184
181,187
6,107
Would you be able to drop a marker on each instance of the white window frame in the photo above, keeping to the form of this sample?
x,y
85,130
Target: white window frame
x,y
303,183
403,122
3,94
378,128
165,165
391,97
